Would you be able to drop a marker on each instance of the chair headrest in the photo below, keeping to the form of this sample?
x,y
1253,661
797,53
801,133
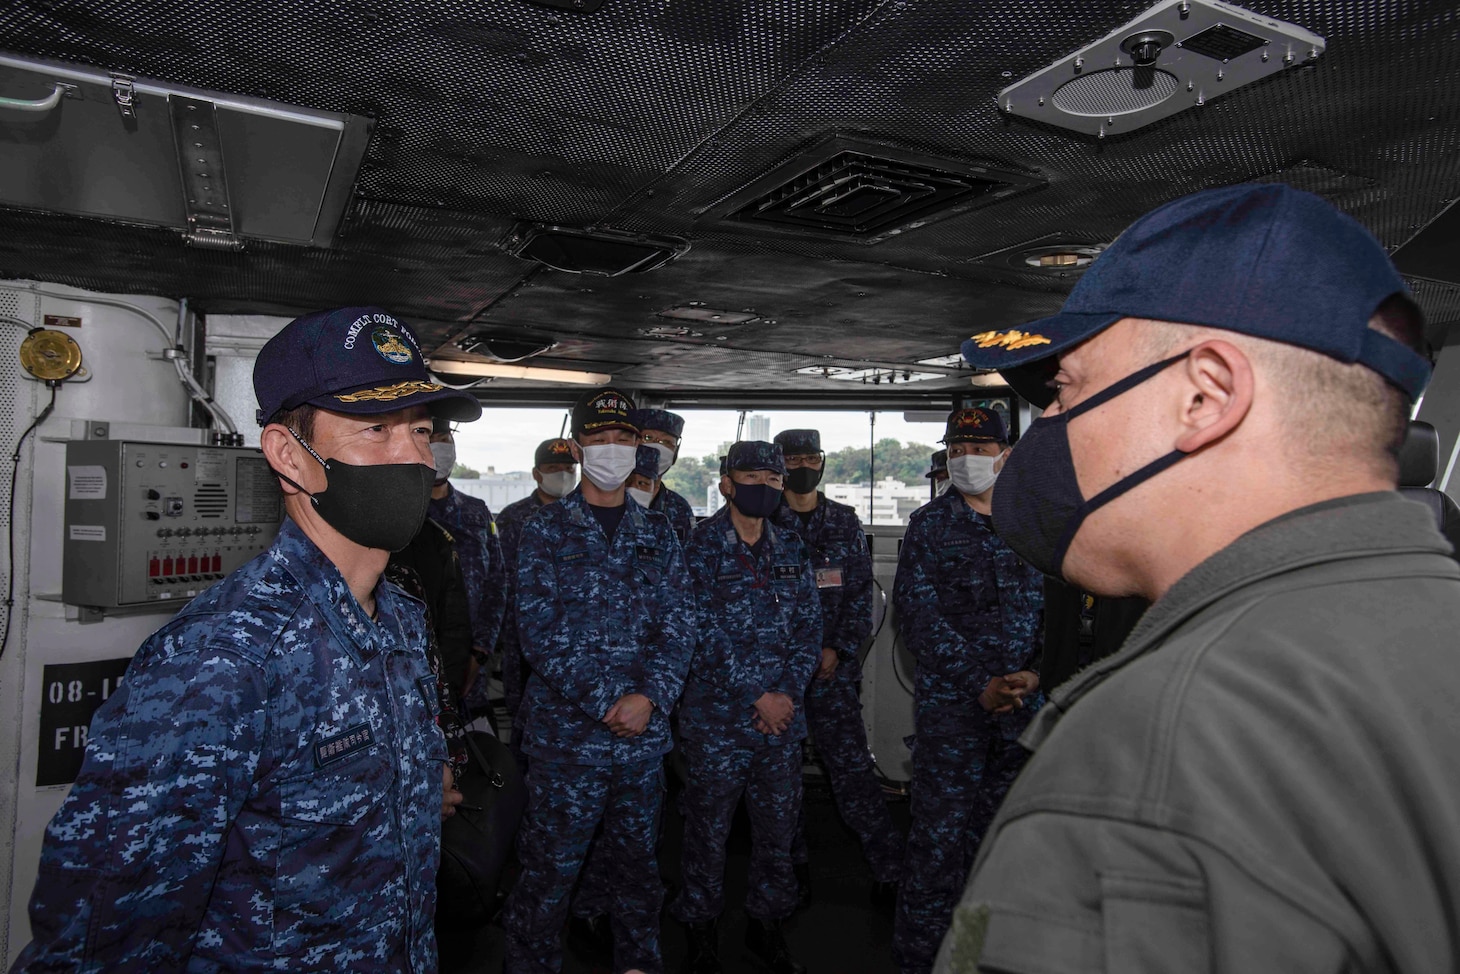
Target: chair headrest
x,y
1419,457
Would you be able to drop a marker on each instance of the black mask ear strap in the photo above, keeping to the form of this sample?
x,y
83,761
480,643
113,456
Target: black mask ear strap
x,y
293,483
1116,388
1127,483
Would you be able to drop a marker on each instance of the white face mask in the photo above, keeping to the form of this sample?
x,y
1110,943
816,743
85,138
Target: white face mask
x,y
643,497
558,484
666,457
445,456
972,474
608,465
941,487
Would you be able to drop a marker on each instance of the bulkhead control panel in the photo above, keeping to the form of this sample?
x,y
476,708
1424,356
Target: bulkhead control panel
x,y
160,522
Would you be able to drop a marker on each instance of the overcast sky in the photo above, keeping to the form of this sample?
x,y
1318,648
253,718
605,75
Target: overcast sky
x,y
506,438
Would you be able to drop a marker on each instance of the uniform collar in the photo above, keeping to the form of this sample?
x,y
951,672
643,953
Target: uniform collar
x,y
579,514
1346,528
325,587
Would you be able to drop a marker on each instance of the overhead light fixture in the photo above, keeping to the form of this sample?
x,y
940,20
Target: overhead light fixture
x,y
601,251
506,348
532,373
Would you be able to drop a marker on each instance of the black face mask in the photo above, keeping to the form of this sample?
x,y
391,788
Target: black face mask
x,y
802,480
756,500
1037,504
376,506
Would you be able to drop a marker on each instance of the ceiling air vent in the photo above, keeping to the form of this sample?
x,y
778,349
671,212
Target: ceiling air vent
x,y
1177,55
868,192
601,251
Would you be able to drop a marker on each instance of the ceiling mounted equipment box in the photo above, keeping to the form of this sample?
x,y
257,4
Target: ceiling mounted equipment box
x,y
1178,54
217,167
868,192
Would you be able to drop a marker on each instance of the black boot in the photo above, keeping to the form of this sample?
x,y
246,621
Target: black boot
x,y
704,948
766,943
884,895
803,884
592,939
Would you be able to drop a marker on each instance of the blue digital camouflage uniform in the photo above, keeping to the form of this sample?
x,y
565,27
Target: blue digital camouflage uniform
x,y
759,631
482,567
263,793
509,532
842,566
676,508
597,620
968,609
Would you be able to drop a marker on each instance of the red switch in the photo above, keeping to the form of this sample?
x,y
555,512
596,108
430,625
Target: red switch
x,y
166,566
217,562
154,568
192,564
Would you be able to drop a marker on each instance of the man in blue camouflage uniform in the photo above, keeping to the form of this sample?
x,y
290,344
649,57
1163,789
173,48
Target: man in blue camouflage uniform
x,y
741,722
265,790
661,430
483,568
842,564
938,473
969,610
606,621
555,471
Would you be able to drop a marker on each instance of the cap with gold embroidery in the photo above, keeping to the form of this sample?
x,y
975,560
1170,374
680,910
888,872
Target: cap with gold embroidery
x,y
603,409
553,451
1260,259
362,361
975,425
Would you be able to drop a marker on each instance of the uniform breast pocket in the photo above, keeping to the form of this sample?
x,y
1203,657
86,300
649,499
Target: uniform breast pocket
x,y
341,793
960,586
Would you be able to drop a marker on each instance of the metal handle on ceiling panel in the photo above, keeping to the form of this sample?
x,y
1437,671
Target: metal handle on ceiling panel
x,y
58,91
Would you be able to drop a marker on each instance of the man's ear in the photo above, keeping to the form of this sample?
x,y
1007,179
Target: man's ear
x,y
1217,394
537,476
280,451
576,450
725,487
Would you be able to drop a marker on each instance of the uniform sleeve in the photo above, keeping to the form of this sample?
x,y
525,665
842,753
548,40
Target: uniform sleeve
x,y
1057,893
673,629
936,645
130,858
715,660
548,639
509,649
492,606
806,632
852,622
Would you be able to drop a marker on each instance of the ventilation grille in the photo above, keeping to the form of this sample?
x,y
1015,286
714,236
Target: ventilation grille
x,y
868,193
210,500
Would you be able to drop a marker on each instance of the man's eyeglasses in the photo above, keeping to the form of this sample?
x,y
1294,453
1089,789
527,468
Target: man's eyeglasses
x,y
805,460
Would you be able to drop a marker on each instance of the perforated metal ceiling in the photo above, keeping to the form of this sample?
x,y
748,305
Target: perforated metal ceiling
x,y
650,114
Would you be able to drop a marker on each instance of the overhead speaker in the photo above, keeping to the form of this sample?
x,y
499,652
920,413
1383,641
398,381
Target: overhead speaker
x,y
594,250
1177,55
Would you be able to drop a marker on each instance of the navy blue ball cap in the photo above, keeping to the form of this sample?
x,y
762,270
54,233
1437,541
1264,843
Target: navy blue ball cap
x,y
975,425
646,462
939,464
1261,259
361,361
658,419
755,455
799,442
603,409
553,451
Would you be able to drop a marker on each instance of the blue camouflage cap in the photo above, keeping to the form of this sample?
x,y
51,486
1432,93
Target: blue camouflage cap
x,y
361,361
658,419
1261,259
755,455
975,425
799,442
940,464
646,462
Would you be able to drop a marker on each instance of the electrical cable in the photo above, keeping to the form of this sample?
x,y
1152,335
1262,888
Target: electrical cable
x,y
10,530
195,391
17,322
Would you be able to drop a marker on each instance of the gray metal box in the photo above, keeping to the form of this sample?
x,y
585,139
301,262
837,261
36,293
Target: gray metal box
x,y
159,522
